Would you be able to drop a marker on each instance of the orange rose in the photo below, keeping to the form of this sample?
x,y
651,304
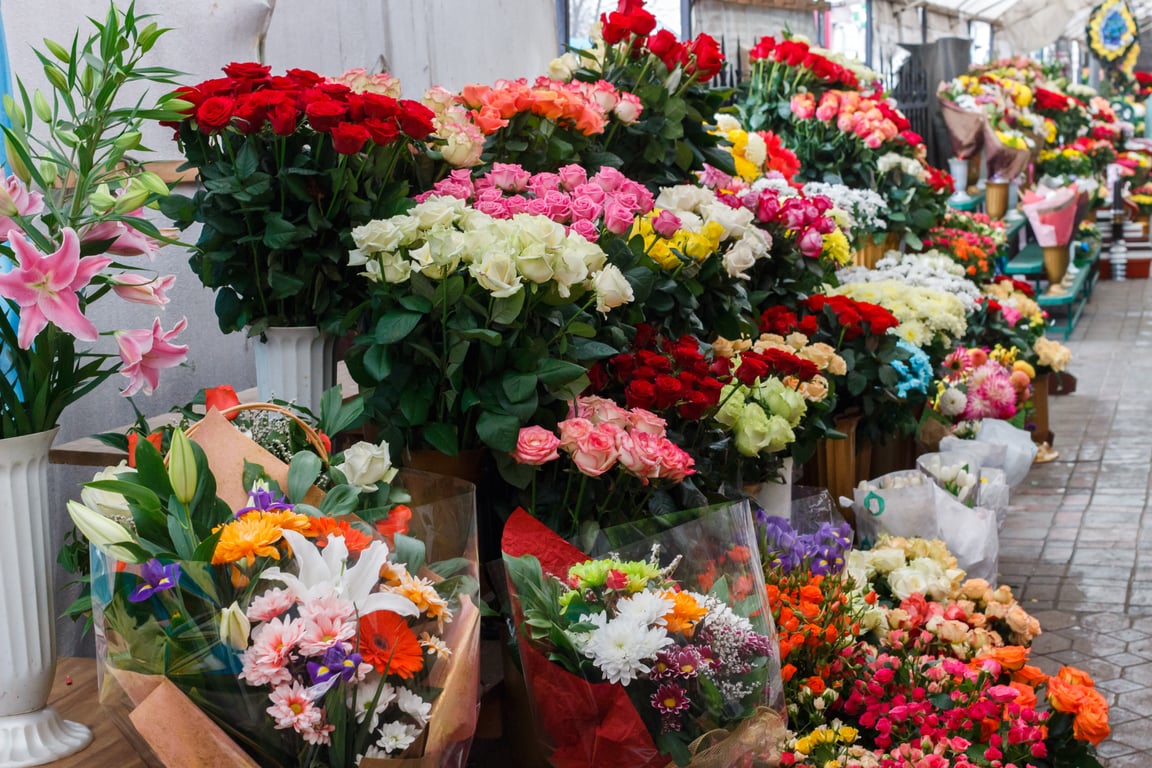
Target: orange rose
x,y
1074,676
815,684
1027,695
787,671
1065,697
1030,675
1091,723
1011,657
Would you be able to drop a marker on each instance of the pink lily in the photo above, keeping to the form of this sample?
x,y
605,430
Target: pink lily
x,y
141,289
126,239
45,286
17,200
146,352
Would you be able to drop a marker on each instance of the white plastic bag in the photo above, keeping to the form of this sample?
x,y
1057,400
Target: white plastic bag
x,y
956,472
971,535
899,503
1018,445
994,494
986,454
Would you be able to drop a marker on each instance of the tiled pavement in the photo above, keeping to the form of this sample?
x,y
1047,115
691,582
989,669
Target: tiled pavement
x,y
1077,546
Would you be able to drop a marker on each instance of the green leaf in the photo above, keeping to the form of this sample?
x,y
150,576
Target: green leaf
x,y
341,500
583,330
486,335
450,567
519,387
585,349
252,474
410,552
376,363
506,310
395,326
499,431
416,303
247,160
278,233
557,372
302,473
443,438
414,405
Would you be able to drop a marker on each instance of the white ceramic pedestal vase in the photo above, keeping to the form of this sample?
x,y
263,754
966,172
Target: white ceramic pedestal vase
x,y
31,733
958,168
296,364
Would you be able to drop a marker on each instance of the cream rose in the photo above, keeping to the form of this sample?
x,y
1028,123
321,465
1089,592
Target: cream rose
x,y
497,274
366,464
907,581
612,289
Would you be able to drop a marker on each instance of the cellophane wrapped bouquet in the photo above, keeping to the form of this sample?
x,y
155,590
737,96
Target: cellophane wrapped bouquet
x,y
658,652
301,629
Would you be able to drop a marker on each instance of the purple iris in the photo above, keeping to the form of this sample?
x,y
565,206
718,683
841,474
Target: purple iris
x,y
336,663
822,551
155,577
263,501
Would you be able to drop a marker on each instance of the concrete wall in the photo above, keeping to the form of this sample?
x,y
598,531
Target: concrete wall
x,y
743,24
448,42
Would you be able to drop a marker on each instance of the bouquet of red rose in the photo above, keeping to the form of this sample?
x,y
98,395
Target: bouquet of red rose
x,y
290,164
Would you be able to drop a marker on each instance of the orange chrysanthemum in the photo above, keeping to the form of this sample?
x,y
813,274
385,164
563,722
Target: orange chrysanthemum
x,y
246,538
685,613
389,645
421,592
321,528
287,520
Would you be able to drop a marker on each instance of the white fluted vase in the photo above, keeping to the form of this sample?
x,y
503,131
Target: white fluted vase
x,y
31,732
775,498
296,364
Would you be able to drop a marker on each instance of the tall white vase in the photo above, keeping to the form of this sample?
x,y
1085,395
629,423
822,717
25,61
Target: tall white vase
x,y
775,498
296,364
31,733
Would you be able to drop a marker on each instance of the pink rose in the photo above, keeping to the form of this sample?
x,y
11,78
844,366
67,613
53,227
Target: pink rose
x,y
645,421
592,191
584,208
677,463
596,452
609,179
803,105
667,224
629,108
497,209
572,176
536,446
605,94
516,205
586,229
538,207
543,183
638,193
601,410
509,177
558,205
572,431
640,454
812,244
617,218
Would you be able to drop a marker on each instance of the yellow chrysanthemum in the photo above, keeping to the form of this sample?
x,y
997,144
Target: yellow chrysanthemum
x,y
836,247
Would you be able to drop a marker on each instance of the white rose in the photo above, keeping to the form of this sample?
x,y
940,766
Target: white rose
x,y
496,273
533,264
612,289
739,259
591,254
539,229
438,211
446,248
357,258
562,67
365,465
568,269
734,220
684,197
373,271
907,581
107,503
759,240
628,110
409,227
937,585
393,267
887,560
378,235
473,220
860,566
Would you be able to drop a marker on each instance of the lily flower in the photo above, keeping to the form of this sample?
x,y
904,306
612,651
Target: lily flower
x,y
45,285
145,353
327,573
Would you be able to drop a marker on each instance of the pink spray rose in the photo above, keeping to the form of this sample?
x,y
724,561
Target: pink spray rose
x,y
666,224
596,452
573,430
640,454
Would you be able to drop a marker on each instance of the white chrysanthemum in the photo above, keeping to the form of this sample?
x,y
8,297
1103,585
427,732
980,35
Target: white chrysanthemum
x,y
396,737
413,706
756,151
645,608
779,185
725,123
952,402
620,649
365,693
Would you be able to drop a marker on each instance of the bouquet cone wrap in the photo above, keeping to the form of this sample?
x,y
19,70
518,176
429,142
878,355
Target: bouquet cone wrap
x,y
965,128
1004,162
1052,215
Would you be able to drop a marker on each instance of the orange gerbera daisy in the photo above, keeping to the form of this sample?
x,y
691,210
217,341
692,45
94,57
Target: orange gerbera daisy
x,y
321,528
685,613
246,538
389,645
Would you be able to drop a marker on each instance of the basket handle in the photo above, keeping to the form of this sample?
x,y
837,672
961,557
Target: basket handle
x,y
310,433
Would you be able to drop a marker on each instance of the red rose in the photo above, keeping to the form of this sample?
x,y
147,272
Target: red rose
x,y
706,53
221,398
710,388
668,49
218,86
597,377
640,21
694,405
778,320
639,394
283,117
324,115
668,391
304,78
383,132
379,106
416,119
645,373
762,49
249,114
911,138
752,367
248,70
645,335
191,95
613,27
349,138
622,366
654,360
808,326
337,91
214,113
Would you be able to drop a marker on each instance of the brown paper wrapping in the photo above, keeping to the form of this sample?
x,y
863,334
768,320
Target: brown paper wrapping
x,y
755,743
227,448
1004,163
965,128
836,460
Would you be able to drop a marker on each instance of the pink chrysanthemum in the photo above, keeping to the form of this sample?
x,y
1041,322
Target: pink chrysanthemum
x,y
291,708
670,699
273,645
275,602
958,361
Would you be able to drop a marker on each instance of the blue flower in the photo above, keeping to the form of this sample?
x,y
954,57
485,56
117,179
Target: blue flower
x,y
155,577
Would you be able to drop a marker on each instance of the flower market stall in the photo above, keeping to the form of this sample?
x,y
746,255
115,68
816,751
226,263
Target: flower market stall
x,y
677,424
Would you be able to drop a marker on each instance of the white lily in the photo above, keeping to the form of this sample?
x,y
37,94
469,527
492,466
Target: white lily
x,y
327,573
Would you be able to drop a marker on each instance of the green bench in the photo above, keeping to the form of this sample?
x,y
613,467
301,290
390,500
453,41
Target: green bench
x,y
971,205
1029,262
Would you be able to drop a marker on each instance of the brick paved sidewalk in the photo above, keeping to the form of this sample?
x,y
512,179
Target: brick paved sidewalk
x,y
1077,546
